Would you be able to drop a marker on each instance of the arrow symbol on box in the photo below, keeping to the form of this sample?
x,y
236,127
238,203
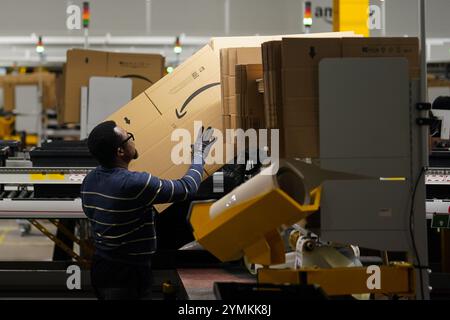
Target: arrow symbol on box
x,y
180,114
127,121
312,52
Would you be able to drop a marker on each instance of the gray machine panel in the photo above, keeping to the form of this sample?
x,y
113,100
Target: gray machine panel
x,y
366,208
365,128
364,110
106,96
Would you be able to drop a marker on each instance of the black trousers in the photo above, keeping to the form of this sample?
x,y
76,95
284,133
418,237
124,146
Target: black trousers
x,y
113,280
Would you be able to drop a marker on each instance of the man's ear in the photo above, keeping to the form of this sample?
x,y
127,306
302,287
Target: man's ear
x,y
120,151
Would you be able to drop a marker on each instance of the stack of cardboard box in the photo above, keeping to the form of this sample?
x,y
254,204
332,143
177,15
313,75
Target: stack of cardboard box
x,y
298,106
192,92
249,100
229,58
271,52
81,65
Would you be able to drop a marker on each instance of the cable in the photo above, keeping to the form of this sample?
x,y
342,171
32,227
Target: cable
x,y
411,230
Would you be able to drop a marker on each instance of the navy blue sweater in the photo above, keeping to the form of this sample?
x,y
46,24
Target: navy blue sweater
x,y
119,205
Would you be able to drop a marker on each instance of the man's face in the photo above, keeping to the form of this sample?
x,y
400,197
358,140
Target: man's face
x,y
127,150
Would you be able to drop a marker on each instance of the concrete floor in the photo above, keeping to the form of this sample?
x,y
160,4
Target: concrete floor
x,y
33,246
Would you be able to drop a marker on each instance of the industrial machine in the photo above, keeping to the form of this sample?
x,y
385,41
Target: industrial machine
x,y
367,190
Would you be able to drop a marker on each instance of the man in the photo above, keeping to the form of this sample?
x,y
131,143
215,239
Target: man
x,y
118,203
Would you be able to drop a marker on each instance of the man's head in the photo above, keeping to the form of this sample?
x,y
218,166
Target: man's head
x,y
111,145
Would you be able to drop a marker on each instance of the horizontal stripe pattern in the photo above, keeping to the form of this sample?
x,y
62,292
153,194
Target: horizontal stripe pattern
x,y
119,205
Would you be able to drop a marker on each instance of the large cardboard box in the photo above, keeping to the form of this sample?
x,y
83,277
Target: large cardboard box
x,y
47,80
192,92
143,69
300,83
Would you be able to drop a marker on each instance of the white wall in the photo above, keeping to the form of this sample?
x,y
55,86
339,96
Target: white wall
x,y
202,18
198,17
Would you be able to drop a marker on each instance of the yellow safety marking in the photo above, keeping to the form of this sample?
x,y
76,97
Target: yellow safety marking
x,y
37,176
392,178
50,176
55,176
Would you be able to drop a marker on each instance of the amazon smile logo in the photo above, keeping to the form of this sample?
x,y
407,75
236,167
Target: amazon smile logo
x,y
182,112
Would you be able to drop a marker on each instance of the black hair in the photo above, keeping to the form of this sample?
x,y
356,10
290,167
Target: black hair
x,y
442,102
103,142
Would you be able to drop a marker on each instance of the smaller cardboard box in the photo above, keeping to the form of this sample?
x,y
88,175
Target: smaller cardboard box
x,y
47,79
143,69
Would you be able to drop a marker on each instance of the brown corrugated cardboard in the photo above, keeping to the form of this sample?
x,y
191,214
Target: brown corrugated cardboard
x,y
300,92
229,58
250,105
256,41
143,69
8,94
301,111
229,105
302,142
80,66
301,52
47,80
191,93
385,47
300,59
272,84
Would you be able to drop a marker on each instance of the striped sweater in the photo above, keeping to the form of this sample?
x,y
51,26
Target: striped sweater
x,y
119,205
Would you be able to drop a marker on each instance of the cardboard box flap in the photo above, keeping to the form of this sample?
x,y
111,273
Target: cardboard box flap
x,y
218,43
198,76
142,69
309,52
136,114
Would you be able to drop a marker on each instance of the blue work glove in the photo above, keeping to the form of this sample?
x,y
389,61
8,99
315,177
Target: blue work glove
x,y
203,143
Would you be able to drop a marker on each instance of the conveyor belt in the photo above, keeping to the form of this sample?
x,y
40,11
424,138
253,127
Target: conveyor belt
x,y
41,208
20,176
22,204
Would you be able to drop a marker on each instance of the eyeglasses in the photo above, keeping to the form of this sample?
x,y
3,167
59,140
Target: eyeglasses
x,y
130,136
